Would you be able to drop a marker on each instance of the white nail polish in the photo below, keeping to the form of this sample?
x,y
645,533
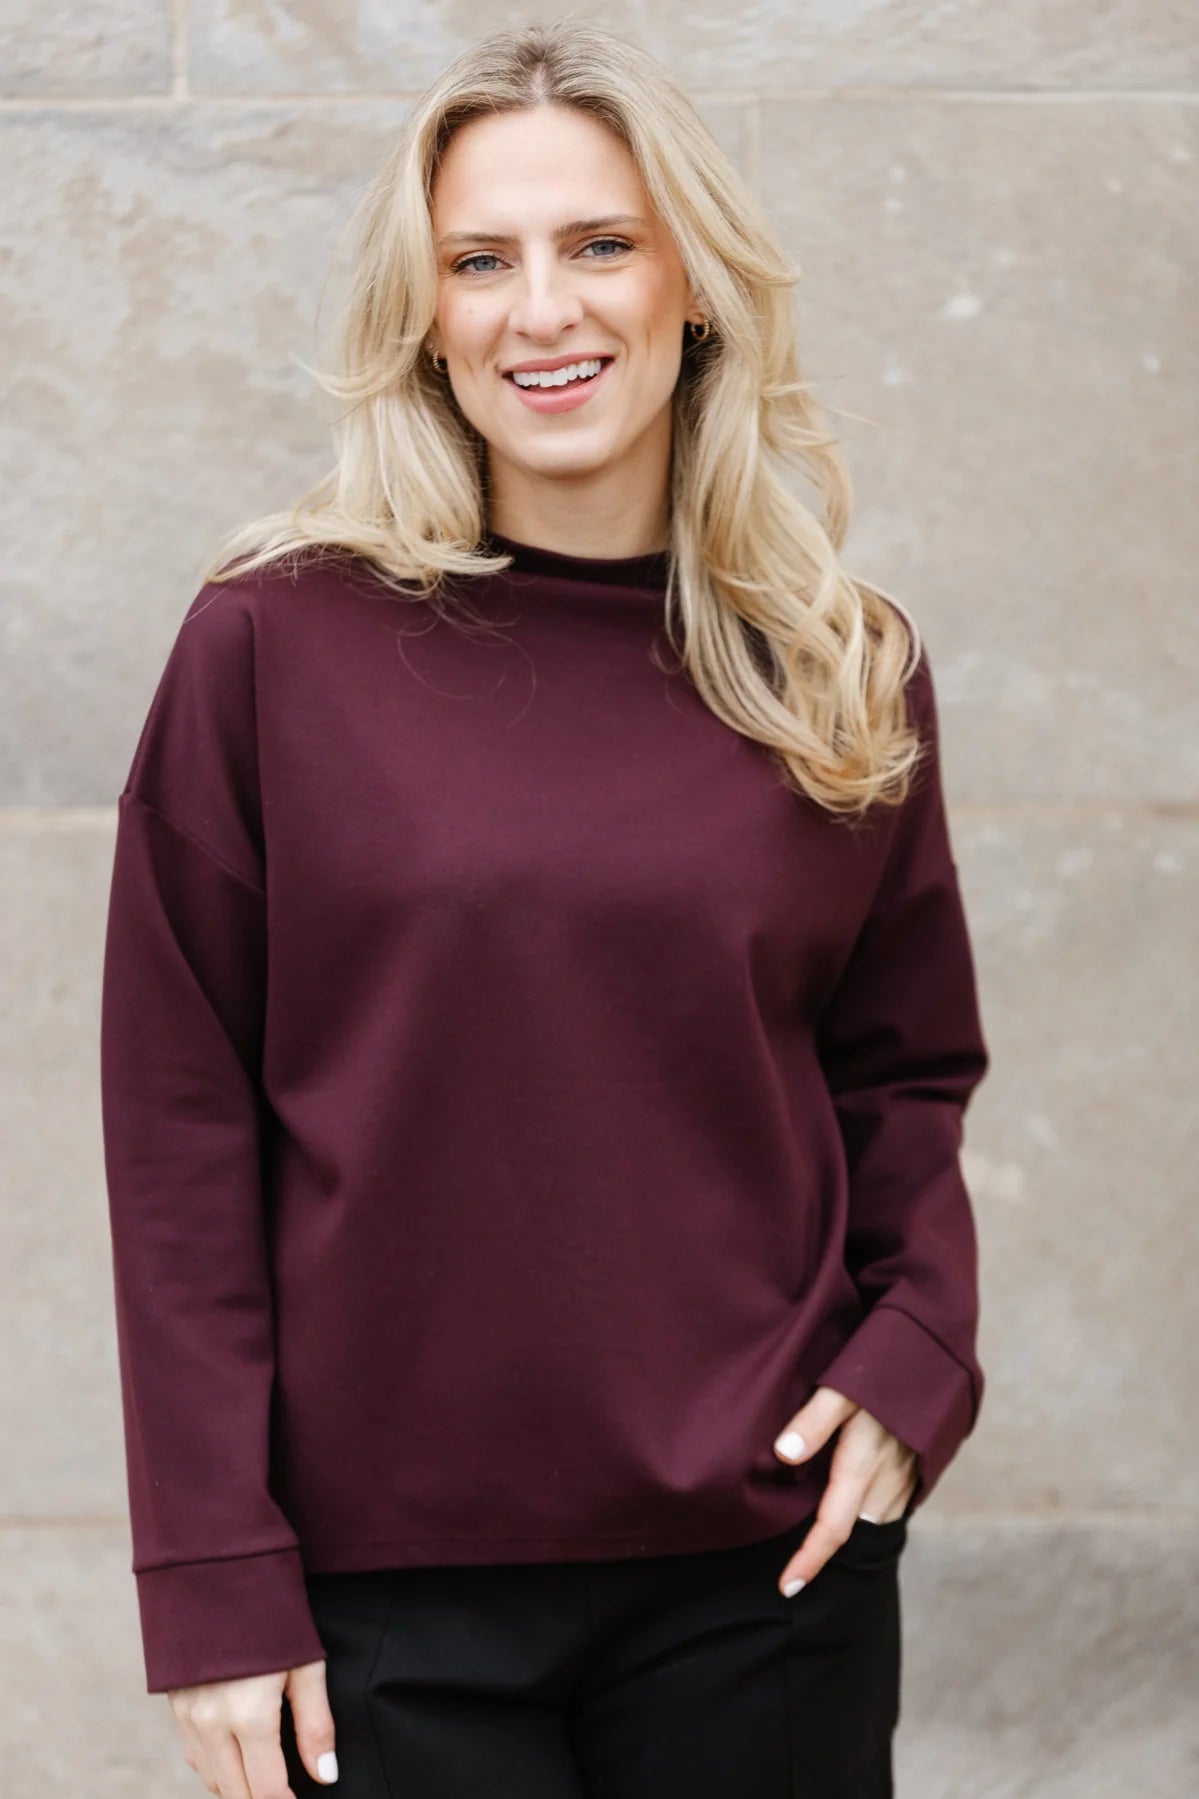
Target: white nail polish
x,y
792,1587
326,1766
790,1443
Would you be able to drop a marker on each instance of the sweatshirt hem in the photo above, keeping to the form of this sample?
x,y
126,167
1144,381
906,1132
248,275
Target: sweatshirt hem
x,y
345,1558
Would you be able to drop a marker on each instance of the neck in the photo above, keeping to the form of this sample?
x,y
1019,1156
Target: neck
x,y
608,525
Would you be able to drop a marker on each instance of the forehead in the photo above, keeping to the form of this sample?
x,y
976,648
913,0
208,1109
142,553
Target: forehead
x,y
539,165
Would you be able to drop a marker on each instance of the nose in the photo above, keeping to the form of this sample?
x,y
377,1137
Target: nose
x,y
544,302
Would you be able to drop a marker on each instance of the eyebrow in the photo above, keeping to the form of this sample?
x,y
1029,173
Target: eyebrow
x,y
574,228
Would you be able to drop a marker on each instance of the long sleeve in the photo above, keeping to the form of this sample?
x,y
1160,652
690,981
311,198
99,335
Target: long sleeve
x,y
902,1047
219,1577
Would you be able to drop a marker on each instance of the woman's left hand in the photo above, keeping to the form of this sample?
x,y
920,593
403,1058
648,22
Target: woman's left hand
x,y
871,1474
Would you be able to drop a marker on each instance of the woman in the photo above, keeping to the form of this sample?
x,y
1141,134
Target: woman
x,y
538,1018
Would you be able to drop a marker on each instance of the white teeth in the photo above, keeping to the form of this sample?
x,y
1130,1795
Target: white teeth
x,y
558,377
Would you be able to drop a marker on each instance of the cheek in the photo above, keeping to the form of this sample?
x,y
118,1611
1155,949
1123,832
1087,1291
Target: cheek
x,y
660,336
464,325
663,354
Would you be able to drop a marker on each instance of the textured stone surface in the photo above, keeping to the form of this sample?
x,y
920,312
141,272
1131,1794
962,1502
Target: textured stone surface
x,y
60,1398
1080,1150
1007,292
1050,1661
76,1717
107,47
150,418
284,45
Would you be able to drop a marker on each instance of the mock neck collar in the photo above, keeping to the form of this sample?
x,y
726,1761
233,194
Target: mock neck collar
x,y
647,572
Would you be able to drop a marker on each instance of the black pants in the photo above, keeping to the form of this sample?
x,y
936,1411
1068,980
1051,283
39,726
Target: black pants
x,y
684,1676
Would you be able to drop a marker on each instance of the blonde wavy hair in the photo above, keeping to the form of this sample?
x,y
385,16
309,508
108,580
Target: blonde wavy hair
x,y
778,639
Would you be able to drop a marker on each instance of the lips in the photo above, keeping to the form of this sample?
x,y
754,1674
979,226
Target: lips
x,y
560,397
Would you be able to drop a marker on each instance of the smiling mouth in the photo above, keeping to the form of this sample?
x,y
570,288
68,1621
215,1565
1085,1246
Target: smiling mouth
x,y
555,384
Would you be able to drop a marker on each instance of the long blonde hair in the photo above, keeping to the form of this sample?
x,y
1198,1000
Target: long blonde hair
x,y
778,639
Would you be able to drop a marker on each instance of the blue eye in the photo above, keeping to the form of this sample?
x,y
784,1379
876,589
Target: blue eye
x,y
620,243
468,262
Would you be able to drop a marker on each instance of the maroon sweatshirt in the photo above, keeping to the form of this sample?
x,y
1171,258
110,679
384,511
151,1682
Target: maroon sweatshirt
x,y
516,1101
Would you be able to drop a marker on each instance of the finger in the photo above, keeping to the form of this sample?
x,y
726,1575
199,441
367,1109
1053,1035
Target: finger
x,y
893,1482
264,1763
312,1717
809,1429
194,1752
224,1752
821,1541
883,1504
835,1518
880,1510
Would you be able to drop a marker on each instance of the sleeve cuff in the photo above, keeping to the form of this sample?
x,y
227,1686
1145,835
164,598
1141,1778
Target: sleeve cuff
x,y
224,1619
896,1369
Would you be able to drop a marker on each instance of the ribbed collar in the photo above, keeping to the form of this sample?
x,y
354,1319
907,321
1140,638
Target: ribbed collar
x,y
644,574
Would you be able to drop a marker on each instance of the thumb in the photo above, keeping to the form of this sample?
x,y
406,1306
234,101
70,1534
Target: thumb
x,y
313,1720
814,1423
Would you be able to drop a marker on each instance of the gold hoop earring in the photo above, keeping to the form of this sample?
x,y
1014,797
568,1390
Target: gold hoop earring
x,y
698,335
438,362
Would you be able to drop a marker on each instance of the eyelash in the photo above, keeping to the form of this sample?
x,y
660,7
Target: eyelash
x,y
465,261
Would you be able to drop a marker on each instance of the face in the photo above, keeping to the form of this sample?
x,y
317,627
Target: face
x,y
528,275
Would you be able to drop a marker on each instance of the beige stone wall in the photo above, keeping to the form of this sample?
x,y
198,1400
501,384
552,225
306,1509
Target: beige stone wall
x,y
995,211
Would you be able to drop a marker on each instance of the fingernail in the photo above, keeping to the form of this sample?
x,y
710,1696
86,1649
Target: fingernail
x,y
326,1766
790,1443
792,1587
